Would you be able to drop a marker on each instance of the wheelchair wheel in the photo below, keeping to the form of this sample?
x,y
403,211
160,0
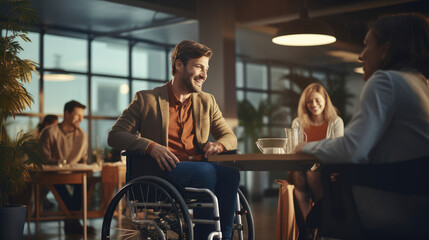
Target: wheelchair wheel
x,y
147,208
246,229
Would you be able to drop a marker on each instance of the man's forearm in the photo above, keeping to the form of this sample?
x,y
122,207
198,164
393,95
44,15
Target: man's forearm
x,y
123,140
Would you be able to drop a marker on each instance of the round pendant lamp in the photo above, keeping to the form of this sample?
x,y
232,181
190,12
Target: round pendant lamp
x,y
304,31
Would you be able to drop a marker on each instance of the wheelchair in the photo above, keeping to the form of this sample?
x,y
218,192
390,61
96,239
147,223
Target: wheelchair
x,y
151,206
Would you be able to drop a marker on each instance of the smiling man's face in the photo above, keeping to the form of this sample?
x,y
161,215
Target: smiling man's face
x,y
195,73
74,118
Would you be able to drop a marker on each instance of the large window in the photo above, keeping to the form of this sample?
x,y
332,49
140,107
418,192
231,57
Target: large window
x,y
103,83
65,53
109,96
256,76
110,57
149,62
57,93
144,85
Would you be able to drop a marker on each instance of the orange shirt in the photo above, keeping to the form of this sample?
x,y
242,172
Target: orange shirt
x,y
316,133
181,128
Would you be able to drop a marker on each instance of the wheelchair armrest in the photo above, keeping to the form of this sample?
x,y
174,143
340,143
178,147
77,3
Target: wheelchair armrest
x,y
135,153
140,164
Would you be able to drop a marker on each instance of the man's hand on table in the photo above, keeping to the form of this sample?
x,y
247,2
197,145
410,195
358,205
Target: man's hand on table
x,y
212,148
298,149
164,157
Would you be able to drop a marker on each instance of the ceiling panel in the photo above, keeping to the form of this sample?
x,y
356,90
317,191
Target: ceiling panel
x,y
95,16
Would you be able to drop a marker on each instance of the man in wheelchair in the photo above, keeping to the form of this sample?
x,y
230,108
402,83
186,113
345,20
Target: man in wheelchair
x,y
171,124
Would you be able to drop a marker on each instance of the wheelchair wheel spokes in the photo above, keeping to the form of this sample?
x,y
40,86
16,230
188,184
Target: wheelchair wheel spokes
x,y
152,212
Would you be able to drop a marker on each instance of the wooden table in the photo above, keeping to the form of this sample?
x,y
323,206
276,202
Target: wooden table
x,y
266,162
71,174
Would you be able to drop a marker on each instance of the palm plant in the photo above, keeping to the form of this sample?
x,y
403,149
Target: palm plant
x,y
16,157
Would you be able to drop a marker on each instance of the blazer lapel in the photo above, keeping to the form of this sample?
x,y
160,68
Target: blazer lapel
x,y
196,112
164,105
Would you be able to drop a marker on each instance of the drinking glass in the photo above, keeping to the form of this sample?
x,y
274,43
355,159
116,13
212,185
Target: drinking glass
x,y
62,163
295,136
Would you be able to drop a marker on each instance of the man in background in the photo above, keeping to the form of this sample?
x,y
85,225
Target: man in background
x,y
67,143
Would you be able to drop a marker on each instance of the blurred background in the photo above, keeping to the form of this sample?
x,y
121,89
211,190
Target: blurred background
x,y
101,52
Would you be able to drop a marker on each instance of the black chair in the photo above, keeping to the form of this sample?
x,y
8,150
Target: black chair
x,y
152,206
339,216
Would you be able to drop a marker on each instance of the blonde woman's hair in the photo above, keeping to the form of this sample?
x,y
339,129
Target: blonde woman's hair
x,y
304,115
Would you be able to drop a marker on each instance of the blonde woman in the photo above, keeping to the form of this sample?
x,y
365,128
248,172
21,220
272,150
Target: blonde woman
x,y
317,116
319,119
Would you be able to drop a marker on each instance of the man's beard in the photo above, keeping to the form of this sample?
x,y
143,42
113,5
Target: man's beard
x,y
188,82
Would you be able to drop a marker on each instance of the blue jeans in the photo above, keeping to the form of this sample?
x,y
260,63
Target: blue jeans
x,y
223,181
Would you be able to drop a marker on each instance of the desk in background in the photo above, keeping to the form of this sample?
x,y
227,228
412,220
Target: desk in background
x,y
112,178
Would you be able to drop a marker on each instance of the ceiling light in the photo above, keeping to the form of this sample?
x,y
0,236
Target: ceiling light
x,y
58,77
304,31
124,89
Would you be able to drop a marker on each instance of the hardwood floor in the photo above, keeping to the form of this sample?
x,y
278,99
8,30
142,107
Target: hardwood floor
x,y
264,213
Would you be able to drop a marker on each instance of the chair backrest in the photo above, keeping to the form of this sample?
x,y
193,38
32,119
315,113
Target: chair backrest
x,y
339,214
109,182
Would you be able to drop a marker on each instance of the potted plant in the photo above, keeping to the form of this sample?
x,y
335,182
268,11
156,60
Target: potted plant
x,y
16,156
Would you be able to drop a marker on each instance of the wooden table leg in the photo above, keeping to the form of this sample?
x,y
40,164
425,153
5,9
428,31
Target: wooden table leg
x,y
37,206
85,206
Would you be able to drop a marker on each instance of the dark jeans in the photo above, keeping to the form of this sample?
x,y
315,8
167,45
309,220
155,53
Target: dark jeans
x,y
73,201
223,181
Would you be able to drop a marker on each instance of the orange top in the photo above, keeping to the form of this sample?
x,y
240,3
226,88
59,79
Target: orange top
x,y
316,133
180,129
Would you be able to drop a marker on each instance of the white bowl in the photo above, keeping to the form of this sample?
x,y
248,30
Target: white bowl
x,y
272,145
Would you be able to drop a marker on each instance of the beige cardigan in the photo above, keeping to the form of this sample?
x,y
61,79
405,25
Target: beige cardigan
x,y
148,115
335,127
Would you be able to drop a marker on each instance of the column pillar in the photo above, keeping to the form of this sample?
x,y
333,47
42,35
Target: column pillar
x,y
216,20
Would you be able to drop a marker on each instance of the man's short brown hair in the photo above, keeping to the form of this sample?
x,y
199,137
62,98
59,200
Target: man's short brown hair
x,y
70,106
186,50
